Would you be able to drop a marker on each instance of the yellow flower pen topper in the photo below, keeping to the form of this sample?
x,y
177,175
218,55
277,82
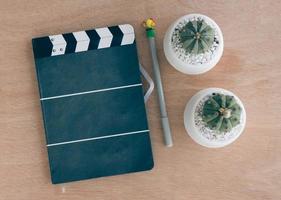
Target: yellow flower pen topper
x,y
149,25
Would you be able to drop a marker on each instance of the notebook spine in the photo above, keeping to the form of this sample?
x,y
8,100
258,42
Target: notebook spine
x,y
42,103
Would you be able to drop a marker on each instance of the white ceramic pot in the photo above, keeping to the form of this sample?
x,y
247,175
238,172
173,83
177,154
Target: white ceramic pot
x,y
191,68
207,138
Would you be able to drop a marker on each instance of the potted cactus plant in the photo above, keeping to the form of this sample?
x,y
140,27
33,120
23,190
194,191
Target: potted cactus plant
x,y
193,44
214,117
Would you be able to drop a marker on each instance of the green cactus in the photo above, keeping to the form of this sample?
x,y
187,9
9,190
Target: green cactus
x,y
197,37
221,112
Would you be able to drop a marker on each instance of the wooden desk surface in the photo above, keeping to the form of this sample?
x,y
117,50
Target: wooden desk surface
x,y
250,168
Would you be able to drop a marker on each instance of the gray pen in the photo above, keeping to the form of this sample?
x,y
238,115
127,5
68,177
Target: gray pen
x,y
150,33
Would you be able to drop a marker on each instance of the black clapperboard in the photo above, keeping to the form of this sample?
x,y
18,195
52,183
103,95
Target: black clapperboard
x,y
92,103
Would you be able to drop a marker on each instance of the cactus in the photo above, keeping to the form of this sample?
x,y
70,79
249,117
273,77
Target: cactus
x,y
197,37
221,112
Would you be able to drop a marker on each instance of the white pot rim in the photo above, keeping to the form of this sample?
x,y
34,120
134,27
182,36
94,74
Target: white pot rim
x,y
193,131
185,67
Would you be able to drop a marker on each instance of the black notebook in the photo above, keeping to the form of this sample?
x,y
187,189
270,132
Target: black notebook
x,y
92,103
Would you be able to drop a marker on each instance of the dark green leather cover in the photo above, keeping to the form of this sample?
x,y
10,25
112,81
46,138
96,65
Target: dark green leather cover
x,y
89,120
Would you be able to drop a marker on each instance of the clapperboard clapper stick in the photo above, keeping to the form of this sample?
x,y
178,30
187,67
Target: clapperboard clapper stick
x,y
149,25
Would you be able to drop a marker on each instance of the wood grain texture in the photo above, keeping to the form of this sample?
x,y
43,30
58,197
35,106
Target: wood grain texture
x,y
250,168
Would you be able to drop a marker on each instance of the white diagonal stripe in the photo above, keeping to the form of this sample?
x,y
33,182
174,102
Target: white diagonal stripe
x,y
83,41
97,138
91,91
126,28
105,37
128,34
